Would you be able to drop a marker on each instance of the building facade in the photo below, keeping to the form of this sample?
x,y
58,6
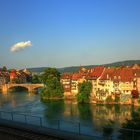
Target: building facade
x,y
106,81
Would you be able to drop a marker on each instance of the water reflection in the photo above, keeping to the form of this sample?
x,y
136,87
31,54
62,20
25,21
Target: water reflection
x,y
53,109
18,102
97,115
117,113
70,112
85,113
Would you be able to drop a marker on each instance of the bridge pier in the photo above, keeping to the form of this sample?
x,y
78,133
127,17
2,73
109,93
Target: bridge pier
x,y
30,90
4,89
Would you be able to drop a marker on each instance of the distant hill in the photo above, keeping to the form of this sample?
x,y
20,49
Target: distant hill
x,y
76,68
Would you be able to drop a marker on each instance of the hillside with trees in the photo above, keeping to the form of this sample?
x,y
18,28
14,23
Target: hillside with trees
x,y
76,68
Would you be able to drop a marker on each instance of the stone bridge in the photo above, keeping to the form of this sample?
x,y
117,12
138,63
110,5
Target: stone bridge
x,y
30,87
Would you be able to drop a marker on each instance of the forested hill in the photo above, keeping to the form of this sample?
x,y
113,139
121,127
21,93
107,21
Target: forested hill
x,y
76,68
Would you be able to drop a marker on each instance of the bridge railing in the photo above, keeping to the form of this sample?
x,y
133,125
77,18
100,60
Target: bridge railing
x,y
72,127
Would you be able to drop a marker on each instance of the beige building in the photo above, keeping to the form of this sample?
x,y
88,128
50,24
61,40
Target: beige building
x,y
126,87
138,84
105,81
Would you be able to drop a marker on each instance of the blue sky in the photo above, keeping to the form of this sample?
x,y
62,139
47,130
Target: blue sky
x,y
69,32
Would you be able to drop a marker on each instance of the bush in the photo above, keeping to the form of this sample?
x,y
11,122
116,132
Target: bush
x,y
139,100
109,99
117,99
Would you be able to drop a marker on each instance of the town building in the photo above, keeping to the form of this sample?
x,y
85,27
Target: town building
x,y
19,76
4,77
66,82
106,81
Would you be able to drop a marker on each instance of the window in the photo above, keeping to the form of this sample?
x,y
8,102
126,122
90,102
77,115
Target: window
x,y
67,86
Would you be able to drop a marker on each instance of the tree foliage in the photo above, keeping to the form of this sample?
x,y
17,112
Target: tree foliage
x,y
109,98
117,98
17,80
53,88
4,69
36,79
50,73
84,91
139,100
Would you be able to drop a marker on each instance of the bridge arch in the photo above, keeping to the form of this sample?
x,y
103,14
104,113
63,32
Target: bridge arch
x,y
18,88
37,89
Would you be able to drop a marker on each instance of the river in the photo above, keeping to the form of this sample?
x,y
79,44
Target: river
x,y
95,115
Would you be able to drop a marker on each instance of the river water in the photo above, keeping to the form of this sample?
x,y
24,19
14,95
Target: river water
x,y
65,110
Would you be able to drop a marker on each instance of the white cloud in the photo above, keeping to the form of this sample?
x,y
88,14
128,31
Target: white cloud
x,y
20,45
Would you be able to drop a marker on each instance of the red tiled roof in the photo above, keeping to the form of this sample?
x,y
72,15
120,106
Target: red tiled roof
x,y
76,76
136,73
124,74
118,74
95,72
107,74
66,76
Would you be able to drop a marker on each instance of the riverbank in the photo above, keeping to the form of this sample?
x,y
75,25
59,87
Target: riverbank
x,y
134,102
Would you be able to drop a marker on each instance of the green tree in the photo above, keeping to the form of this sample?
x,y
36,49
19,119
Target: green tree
x,y
139,99
53,88
84,90
117,98
36,79
4,69
16,80
50,73
109,98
